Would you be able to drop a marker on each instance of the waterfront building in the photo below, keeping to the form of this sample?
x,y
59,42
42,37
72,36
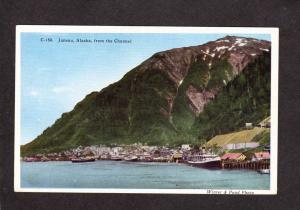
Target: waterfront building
x,y
261,156
233,157
176,157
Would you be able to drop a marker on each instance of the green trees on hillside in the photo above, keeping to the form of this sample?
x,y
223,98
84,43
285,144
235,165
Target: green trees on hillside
x,y
137,108
244,99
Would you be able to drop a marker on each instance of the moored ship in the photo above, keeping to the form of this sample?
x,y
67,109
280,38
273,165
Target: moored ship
x,y
82,160
116,158
131,158
205,161
264,171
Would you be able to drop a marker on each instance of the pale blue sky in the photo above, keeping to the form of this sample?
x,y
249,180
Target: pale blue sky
x,y
55,76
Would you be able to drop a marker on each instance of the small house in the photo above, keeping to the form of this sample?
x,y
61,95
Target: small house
x,y
185,147
177,157
266,123
233,157
116,150
267,148
165,152
249,125
155,153
145,148
261,156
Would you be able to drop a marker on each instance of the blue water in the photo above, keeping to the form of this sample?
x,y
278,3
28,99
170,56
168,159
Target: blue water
x,y
115,174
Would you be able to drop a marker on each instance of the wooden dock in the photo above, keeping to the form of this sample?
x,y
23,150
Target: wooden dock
x,y
263,164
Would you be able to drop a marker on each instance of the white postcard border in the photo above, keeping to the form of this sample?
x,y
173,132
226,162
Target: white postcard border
x,y
274,32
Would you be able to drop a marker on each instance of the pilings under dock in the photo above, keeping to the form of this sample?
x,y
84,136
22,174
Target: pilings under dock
x,y
264,164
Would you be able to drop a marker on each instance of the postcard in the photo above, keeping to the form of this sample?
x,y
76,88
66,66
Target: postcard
x,y
176,110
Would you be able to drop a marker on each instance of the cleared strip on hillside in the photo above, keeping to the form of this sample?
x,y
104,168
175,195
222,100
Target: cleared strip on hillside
x,y
236,137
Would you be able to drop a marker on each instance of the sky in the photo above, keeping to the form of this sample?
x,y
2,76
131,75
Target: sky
x,y
55,76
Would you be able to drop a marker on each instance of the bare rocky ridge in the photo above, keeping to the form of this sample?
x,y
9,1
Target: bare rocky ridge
x,y
238,51
176,62
199,99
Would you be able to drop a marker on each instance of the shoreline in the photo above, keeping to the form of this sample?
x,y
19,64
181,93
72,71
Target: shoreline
x,y
243,165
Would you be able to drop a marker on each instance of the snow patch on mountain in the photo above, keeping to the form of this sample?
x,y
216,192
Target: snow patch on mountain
x,y
221,48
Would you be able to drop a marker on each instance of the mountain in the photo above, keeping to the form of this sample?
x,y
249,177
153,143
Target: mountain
x,y
182,95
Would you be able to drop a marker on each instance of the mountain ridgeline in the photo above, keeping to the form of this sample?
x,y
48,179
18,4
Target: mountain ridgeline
x,y
182,95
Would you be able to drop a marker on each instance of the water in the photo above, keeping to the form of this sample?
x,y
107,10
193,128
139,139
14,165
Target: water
x,y
115,174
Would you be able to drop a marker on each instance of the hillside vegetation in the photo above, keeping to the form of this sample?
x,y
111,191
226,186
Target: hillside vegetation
x,y
244,136
244,99
182,95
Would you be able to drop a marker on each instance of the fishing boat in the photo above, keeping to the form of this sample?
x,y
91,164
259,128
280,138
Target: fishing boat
x,y
131,158
82,160
264,171
116,158
205,161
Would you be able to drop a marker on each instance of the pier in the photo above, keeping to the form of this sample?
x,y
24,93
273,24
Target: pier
x,y
254,165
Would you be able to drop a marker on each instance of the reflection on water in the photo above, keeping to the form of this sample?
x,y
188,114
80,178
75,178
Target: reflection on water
x,y
115,174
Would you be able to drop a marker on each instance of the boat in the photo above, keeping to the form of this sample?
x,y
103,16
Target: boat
x,y
45,159
116,158
146,159
82,160
131,158
205,161
264,171
31,159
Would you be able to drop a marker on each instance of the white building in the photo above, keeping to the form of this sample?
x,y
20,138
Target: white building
x,y
116,150
241,145
185,147
249,125
102,150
